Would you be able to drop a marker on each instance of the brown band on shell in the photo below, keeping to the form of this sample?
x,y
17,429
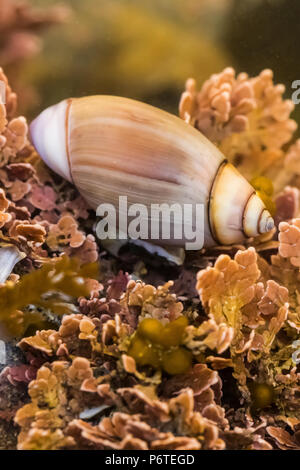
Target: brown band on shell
x,y
138,174
69,102
210,196
244,213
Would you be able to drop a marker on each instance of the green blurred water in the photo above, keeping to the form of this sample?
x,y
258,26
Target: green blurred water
x,y
146,49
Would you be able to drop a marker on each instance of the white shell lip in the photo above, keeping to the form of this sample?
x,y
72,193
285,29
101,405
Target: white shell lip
x,y
49,133
252,211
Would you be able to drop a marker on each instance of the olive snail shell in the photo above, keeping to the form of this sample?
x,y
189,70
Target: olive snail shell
x,y
110,146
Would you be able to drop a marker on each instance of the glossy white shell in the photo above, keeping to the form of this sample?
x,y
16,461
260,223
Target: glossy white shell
x,y
110,146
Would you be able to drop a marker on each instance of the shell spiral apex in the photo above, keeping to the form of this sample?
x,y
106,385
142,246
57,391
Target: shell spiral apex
x,y
110,147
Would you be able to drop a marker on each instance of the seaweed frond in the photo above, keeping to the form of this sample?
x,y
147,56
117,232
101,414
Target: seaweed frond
x,y
63,276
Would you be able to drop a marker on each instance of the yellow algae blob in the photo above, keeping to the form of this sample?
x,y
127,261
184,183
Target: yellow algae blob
x,y
151,329
262,395
177,361
172,333
264,189
158,345
143,352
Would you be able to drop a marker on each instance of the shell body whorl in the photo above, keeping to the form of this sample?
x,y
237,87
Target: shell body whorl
x,y
110,146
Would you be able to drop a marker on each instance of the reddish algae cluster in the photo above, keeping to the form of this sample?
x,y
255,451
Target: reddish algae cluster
x,y
208,360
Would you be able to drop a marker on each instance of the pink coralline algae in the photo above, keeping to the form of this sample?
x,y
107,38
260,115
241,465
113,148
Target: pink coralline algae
x,y
94,367
19,23
248,119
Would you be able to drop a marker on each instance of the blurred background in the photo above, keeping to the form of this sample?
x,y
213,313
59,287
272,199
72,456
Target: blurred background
x,y
143,49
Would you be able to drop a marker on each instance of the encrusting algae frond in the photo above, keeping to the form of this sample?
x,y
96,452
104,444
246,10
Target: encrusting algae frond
x,y
209,361
63,276
246,117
